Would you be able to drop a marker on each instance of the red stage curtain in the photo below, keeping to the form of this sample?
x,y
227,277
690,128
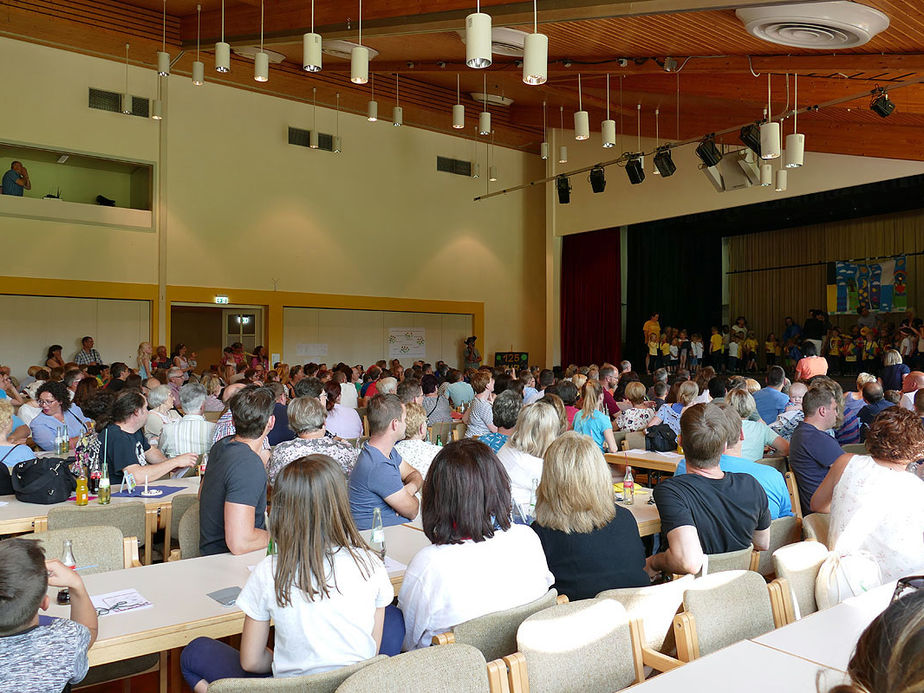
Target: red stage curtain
x,y
591,310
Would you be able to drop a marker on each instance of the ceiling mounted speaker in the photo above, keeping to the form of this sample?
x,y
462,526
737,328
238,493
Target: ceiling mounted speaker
x,y
820,25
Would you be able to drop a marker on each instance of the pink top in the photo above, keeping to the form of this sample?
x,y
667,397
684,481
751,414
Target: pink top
x,y
571,411
810,366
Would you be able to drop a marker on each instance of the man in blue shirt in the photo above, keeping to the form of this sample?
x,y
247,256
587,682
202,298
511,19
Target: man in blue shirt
x,y
812,451
731,461
875,403
381,479
792,331
770,400
16,180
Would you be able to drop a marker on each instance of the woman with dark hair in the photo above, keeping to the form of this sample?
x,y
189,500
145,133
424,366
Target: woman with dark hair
x,y
479,562
57,411
53,358
259,358
86,388
341,421
323,589
811,364
876,504
435,405
180,361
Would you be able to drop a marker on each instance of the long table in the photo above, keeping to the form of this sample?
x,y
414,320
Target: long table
x,y
646,459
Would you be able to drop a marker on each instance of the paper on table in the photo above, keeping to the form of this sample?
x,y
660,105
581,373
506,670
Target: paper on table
x,y
118,602
391,565
2,503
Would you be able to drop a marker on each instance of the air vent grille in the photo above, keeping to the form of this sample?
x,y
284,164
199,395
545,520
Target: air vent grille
x,y
302,138
456,166
820,26
112,101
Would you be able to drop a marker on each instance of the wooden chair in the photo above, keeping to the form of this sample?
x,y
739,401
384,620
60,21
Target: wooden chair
x,y
188,534
742,559
783,531
793,489
854,448
212,416
656,607
590,645
724,608
798,564
325,682
460,668
495,635
130,518
780,464
815,527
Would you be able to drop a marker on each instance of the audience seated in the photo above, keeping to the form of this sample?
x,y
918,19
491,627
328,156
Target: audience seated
x,y
192,433
478,562
212,385
732,460
568,391
590,544
381,479
505,410
479,418
609,379
670,413
409,390
458,391
225,425
160,402
770,400
787,422
849,432
323,590
57,410
638,416
11,451
707,510
232,495
306,417
341,421
538,424
435,405
913,382
591,421
813,450
876,505
415,449
281,431
757,434
893,370
875,403
811,364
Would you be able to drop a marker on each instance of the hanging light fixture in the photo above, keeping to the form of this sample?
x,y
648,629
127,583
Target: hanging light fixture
x,y
478,39
198,70
157,110
795,143
535,54
458,111
608,127
781,176
126,97
581,118
261,59
163,57
544,147
313,137
766,175
373,109
638,145
492,169
562,150
769,132
337,141
311,48
222,49
359,56
397,113
484,118
656,170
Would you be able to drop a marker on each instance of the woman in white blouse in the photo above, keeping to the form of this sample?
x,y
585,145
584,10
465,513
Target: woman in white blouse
x,y
538,425
414,449
876,505
478,562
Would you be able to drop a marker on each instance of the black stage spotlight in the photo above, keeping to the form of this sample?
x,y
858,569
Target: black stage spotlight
x,y
634,170
663,162
750,136
597,179
564,189
882,105
708,153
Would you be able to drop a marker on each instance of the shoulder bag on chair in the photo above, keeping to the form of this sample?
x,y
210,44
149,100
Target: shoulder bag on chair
x,y
44,481
845,575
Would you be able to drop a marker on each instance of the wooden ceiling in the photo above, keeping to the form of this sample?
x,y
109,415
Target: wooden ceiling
x,y
629,39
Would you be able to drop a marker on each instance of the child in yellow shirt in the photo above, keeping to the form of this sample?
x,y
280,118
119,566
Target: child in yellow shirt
x,y
716,350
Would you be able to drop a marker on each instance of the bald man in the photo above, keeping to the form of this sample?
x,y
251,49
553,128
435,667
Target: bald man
x,y
912,382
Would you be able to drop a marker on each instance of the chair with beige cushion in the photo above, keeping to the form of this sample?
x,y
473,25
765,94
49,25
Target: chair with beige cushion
x,y
129,517
459,668
780,464
783,531
793,487
815,527
799,564
495,635
188,532
656,607
855,448
724,608
325,682
742,559
178,507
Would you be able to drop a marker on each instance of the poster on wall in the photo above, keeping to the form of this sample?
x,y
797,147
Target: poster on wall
x,y
882,286
407,342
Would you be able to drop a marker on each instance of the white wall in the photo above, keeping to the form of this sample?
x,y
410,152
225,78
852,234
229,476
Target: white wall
x,y
30,324
361,336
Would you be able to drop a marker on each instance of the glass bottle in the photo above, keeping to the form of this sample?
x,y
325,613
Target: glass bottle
x,y
94,475
628,487
439,441
377,538
61,441
64,594
83,492
533,489
104,490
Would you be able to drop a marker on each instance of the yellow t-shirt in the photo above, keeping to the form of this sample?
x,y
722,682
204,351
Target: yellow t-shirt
x,y
666,349
715,343
750,344
651,327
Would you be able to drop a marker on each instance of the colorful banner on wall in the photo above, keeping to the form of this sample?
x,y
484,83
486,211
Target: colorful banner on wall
x,y
407,342
882,286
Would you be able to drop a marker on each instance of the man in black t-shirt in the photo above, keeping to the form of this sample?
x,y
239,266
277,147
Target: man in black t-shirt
x,y
232,499
707,510
126,448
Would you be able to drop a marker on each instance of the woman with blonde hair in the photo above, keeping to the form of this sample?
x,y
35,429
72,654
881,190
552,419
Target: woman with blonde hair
x,y
212,385
893,370
671,413
538,424
579,379
590,420
144,360
639,415
590,544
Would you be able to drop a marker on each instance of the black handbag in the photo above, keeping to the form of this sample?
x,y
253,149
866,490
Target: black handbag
x,y
44,481
660,438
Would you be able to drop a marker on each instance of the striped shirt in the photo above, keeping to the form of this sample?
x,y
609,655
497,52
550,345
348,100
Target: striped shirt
x,y
192,434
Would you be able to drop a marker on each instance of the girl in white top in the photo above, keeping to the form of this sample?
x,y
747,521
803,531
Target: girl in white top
x,y
876,506
538,425
479,562
321,624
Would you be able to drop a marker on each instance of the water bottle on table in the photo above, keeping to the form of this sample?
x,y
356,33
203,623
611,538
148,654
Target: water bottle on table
x,y
377,538
628,487
64,594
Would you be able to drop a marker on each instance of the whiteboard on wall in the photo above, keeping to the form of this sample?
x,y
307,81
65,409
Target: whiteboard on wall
x,y
407,342
362,336
30,324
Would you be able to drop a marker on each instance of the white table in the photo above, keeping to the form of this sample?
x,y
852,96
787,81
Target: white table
x,y
744,666
828,637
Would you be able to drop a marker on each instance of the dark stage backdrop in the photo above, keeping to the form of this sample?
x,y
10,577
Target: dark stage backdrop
x,y
591,318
